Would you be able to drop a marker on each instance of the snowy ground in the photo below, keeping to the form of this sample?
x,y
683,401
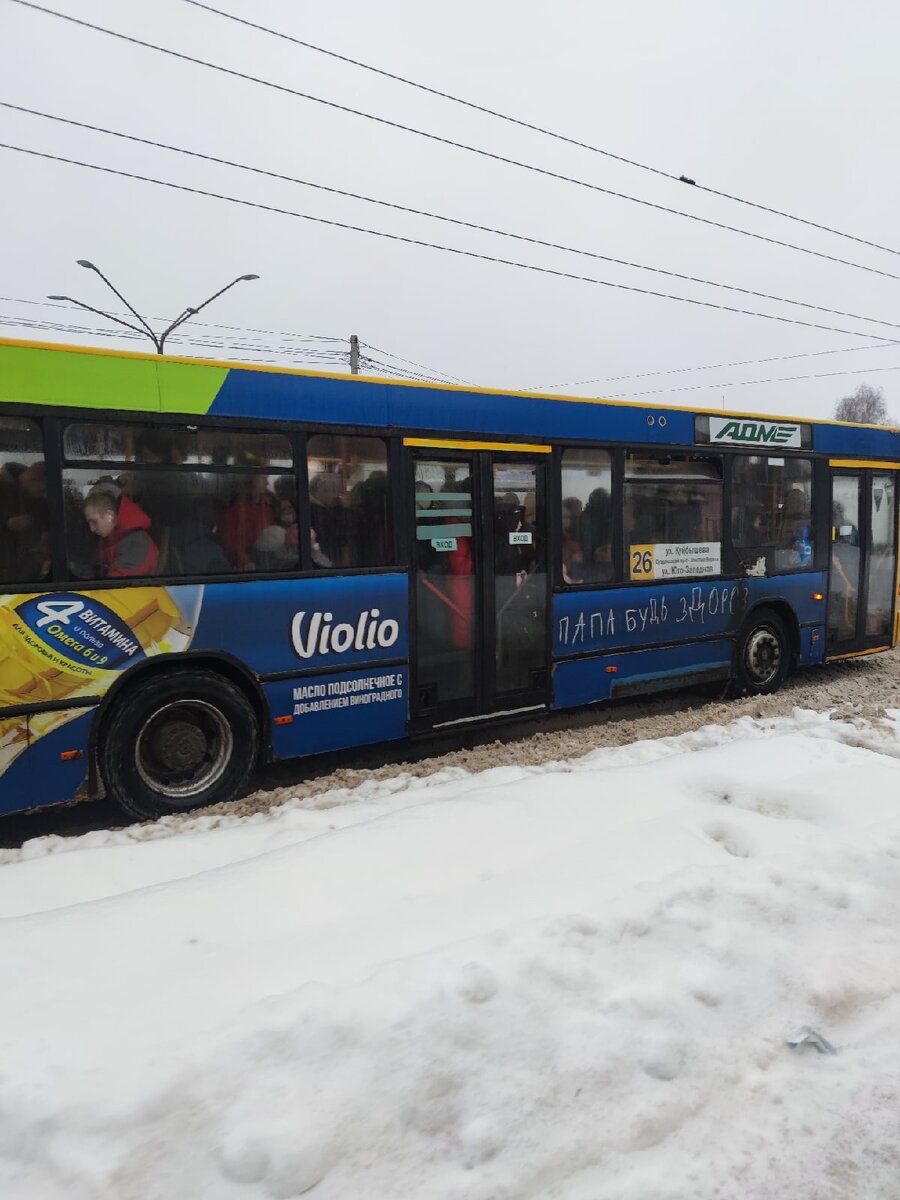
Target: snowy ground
x,y
570,981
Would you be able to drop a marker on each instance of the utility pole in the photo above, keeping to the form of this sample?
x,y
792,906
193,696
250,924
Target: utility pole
x,y
158,339
354,354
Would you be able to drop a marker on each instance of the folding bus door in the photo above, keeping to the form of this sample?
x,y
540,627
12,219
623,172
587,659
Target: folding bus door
x,y
863,577
481,633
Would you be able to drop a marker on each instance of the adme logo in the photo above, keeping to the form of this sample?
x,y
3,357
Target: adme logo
x,y
757,433
321,637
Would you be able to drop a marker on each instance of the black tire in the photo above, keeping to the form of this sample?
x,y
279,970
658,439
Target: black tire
x,y
176,741
762,656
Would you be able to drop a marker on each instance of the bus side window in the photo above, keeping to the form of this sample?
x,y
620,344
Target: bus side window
x,y
672,499
587,516
179,501
24,538
771,510
350,501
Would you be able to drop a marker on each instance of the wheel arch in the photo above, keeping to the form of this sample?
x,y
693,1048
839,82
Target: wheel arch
x,y
226,665
782,608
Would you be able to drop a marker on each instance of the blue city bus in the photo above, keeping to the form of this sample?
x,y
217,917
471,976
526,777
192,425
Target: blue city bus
x,y
207,566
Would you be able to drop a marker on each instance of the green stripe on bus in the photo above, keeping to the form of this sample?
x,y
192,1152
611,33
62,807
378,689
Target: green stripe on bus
x,y
425,533
431,514
29,375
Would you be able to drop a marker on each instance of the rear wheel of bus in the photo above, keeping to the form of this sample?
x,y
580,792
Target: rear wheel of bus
x,y
763,655
177,741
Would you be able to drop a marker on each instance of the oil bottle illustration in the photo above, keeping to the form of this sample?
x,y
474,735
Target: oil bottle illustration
x,y
65,645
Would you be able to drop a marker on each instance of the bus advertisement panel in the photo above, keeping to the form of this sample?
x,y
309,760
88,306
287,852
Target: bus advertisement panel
x,y
75,645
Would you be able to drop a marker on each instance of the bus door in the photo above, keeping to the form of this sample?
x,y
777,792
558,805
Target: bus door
x,y
481,629
863,578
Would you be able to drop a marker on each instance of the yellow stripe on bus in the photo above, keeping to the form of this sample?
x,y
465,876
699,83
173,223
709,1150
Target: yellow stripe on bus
x,y
864,463
857,653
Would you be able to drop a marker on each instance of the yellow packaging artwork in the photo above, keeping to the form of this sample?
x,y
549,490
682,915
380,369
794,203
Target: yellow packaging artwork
x,y
64,645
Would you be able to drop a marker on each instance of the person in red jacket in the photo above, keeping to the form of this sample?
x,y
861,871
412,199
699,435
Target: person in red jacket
x,y
243,521
125,546
460,581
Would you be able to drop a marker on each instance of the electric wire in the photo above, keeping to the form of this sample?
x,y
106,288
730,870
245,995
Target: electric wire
x,y
411,241
413,363
519,237
747,362
75,328
753,382
184,336
401,372
343,356
283,88
316,337
238,346
622,262
13,320
534,128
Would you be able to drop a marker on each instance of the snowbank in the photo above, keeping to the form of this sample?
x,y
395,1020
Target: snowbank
x,y
570,981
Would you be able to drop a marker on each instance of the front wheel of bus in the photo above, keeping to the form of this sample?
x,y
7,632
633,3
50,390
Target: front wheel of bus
x,y
763,655
183,740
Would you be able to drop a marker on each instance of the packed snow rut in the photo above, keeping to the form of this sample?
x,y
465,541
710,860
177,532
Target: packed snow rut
x,y
859,689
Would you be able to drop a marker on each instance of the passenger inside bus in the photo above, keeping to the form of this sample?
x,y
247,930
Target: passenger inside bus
x,y
329,517
191,543
24,542
684,517
124,545
277,548
596,524
370,520
243,522
572,549
845,563
460,578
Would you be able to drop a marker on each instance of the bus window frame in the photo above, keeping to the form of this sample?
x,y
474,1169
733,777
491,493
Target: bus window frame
x,y
554,517
392,444
818,525
44,420
183,468
61,576
702,451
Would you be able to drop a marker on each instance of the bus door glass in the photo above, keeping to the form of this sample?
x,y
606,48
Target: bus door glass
x,y
881,569
480,559
520,577
447,546
863,560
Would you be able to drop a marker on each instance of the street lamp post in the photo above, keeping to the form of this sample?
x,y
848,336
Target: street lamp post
x,y
158,339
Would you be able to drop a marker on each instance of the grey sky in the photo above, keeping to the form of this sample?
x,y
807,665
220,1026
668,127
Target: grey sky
x,y
792,104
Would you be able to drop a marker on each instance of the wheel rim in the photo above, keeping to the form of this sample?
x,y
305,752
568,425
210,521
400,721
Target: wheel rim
x,y
183,748
762,655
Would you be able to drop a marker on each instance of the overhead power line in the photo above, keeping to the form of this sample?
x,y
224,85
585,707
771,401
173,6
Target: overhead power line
x,y
747,362
224,349
544,171
30,323
411,362
385,369
11,319
251,344
519,237
411,241
534,128
752,382
313,337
